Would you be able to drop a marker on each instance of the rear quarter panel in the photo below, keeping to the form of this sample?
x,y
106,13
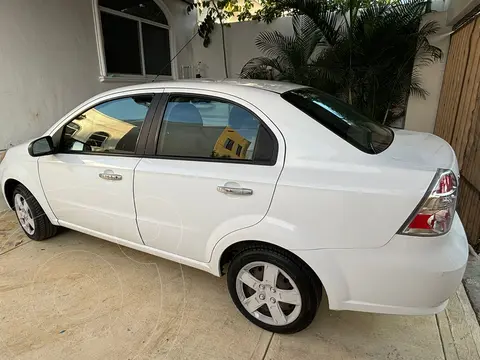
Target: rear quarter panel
x,y
333,195
344,205
337,197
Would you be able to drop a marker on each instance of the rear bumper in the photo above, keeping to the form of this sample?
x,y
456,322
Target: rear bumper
x,y
409,275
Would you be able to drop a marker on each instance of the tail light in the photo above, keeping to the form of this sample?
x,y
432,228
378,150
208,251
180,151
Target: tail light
x,y
434,215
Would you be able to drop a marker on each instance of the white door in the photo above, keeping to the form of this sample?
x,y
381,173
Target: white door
x,y
213,171
89,182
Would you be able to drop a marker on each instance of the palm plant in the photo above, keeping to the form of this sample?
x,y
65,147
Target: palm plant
x,y
369,57
287,58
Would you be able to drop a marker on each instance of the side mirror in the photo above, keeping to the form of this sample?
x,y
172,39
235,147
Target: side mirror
x,y
41,147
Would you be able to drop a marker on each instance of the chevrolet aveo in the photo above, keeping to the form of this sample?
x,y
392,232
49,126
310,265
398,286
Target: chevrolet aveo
x,y
281,187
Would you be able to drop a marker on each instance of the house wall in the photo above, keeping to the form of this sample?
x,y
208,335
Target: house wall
x,y
421,113
457,9
240,47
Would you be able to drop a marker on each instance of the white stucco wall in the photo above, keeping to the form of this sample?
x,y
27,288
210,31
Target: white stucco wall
x,y
49,61
240,41
421,113
457,9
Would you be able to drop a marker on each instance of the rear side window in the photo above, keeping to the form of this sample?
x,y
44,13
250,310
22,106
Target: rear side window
x,y
341,119
197,127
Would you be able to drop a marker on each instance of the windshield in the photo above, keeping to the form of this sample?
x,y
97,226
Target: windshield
x,y
341,119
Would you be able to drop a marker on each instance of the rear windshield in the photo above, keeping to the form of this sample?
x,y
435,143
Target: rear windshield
x,y
341,119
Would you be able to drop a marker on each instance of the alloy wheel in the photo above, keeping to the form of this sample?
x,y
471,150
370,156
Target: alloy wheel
x,y
268,293
24,214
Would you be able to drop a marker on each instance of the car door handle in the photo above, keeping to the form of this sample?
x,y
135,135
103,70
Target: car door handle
x,y
110,176
234,190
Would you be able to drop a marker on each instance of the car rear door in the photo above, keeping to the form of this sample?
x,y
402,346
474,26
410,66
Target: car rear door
x,y
211,168
89,182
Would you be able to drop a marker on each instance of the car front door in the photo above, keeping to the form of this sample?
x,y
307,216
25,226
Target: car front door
x,y
89,181
211,169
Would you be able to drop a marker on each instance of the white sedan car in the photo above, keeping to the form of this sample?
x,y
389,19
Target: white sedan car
x,y
281,187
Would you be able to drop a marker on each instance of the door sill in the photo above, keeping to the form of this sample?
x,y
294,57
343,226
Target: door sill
x,y
140,247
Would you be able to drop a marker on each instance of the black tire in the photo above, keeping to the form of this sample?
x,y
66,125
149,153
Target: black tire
x,y
301,275
44,229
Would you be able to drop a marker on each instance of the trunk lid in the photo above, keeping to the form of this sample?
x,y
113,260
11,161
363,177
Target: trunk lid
x,y
421,151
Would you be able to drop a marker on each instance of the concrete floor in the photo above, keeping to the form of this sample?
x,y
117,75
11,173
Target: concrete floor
x,y
78,297
471,281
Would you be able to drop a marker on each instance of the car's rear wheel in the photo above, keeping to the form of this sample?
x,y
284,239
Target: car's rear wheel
x,y
31,216
273,289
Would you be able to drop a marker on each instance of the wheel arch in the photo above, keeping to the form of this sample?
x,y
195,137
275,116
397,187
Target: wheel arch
x,y
229,252
8,189
31,184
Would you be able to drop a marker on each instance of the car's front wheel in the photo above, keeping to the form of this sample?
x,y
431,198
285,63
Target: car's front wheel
x,y
273,289
31,216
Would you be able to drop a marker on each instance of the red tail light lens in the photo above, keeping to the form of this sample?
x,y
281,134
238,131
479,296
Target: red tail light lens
x,y
434,215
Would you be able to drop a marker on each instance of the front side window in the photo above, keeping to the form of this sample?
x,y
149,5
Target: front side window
x,y
136,38
112,127
206,128
341,119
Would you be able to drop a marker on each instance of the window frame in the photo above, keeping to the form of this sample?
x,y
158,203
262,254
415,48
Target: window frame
x,y
123,78
140,146
154,135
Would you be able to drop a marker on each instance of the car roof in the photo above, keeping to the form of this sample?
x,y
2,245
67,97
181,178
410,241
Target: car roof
x,y
274,86
227,85
247,89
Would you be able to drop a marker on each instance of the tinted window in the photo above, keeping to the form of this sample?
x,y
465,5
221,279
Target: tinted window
x,y
122,45
111,127
204,128
341,119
